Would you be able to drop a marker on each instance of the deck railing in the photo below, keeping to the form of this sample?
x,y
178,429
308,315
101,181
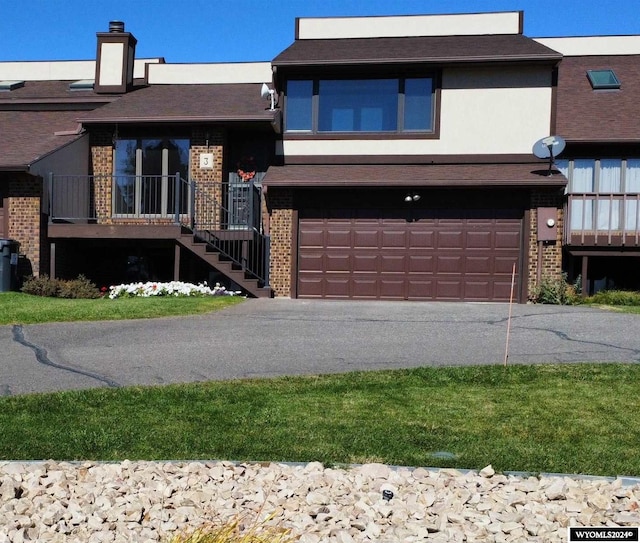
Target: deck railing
x,y
613,216
226,215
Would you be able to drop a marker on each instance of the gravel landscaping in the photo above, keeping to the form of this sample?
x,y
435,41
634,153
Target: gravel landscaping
x,y
150,501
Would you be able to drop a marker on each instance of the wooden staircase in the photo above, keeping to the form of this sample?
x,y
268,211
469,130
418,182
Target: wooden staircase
x,y
228,267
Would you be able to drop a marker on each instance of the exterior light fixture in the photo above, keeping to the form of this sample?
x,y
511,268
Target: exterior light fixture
x,y
387,495
412,197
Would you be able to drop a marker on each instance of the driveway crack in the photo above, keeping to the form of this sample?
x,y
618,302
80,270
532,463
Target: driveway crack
x,y
43,358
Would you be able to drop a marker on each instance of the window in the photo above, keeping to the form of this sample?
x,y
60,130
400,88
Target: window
x,y
359,105
604,193
603,79
145,175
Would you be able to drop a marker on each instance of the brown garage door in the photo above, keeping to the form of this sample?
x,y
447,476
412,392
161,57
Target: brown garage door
x,y
441,255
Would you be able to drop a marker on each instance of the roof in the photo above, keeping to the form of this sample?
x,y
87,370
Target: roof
x,y
485,175
27,136
429,49
43,92
606,115
175,103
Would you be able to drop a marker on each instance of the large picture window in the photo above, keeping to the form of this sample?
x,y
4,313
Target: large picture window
x,y
145,171
604,194
360,105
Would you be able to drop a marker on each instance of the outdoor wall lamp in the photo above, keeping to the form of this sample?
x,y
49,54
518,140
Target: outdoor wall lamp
x,y
412,197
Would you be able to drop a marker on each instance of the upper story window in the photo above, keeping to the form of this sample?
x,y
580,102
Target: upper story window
x,y
388,105
604,194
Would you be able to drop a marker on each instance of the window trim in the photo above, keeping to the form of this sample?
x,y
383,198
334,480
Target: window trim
x,y
314,133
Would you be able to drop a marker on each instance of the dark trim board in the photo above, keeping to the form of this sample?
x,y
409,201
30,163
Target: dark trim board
x,y
113,231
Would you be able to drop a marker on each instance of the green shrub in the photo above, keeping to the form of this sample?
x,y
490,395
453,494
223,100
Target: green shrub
x,y
615,297
60,288
41,286
555,291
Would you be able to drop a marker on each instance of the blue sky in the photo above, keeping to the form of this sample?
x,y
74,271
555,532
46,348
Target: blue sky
x,y
245,30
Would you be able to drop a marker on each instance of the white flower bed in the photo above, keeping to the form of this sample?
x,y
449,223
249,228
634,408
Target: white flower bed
x,y
174,288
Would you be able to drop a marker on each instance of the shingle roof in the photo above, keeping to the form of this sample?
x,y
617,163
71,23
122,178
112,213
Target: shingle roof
x,y
325,175
173,103
29,135
587,115
431,49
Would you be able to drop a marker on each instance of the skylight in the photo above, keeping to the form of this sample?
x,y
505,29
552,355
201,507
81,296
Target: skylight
x,y
603,79
7,86
82,84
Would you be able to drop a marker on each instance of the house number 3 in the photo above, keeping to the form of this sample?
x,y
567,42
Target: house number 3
x,y
206,161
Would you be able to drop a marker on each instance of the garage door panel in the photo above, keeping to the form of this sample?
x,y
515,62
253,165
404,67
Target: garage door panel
x,y
450,264
392,239
391,263
420,263
507,240
420,289
338,238
365,263
363,287
449,290
478,265
450,239
373,254
479,240
477,290
423,240
392,288
337,287
337,262
503,265
366,239
310,263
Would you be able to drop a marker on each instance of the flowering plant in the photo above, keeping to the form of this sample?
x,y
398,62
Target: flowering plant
x,y
173,288
246,168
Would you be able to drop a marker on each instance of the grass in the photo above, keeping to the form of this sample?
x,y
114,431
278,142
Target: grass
x,y
558,418
18,308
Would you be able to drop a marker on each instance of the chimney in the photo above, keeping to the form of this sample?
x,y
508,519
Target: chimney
x,y
114,60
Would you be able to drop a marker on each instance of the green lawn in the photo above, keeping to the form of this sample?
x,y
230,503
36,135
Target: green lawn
x,y
18,308
559,418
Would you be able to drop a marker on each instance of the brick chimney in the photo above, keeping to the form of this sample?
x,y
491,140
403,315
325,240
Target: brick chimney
x,y
114,60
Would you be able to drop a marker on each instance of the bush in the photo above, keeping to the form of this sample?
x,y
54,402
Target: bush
x,y
236,531
60,288
615,297
555,291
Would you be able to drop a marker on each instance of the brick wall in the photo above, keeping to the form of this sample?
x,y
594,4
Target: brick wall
x,y
24,222
280,205
551,251
102,165
208,180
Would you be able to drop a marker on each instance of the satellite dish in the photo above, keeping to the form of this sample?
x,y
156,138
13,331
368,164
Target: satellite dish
x,y
549,147
266,92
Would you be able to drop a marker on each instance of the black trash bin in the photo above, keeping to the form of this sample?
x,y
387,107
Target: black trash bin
x,y
8,264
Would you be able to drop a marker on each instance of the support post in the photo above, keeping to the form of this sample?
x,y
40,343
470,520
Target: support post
x,y
52,261
176,263
585,282
176,198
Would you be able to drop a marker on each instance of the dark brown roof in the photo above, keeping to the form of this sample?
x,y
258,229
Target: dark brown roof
x,y
29,135
431,49
174,103
588,115
413,175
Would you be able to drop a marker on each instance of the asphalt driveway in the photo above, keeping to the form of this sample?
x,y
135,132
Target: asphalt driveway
x,y
287,337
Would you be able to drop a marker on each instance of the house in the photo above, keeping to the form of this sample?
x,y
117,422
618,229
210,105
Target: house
x,y
374,158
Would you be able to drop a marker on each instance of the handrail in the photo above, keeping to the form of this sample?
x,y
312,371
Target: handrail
x,y
226,215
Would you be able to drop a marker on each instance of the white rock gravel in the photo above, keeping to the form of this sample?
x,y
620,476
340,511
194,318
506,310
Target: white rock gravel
x,y
149,501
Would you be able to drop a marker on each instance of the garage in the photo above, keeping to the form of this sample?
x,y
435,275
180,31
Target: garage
x,y
416,254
